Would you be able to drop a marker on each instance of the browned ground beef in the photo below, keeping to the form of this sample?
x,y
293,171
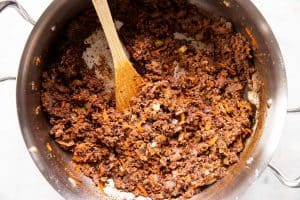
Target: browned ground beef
x,y
183,132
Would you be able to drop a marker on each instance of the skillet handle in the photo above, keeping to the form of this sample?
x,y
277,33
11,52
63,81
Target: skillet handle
x,y
7,78
13,3
20,9
292,183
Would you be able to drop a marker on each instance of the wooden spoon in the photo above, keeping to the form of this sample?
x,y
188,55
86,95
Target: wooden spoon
x,y
127,80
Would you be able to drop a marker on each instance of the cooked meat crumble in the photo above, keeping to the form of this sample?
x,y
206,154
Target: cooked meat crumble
x,y
191,119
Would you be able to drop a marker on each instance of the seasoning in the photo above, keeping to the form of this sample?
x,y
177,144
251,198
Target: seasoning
x,y
183,49
158,43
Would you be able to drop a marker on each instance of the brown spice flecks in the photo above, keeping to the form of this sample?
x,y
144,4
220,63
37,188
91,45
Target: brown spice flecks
x,y
37,61
37,110
252,38
48,146
190,121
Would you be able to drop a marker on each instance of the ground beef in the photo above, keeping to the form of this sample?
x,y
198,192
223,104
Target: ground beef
x,y
191,119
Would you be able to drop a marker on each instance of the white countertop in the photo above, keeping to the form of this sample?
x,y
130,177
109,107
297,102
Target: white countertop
x,y
20,178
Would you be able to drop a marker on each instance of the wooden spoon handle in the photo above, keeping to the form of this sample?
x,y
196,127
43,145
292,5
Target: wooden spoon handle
x,y
110,32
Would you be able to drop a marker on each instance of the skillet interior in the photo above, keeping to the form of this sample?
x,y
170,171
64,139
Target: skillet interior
x,y
54,163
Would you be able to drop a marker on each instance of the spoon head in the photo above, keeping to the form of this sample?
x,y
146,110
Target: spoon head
x,y
128,83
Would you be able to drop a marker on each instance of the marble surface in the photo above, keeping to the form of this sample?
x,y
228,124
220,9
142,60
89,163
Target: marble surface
x,y
21,180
